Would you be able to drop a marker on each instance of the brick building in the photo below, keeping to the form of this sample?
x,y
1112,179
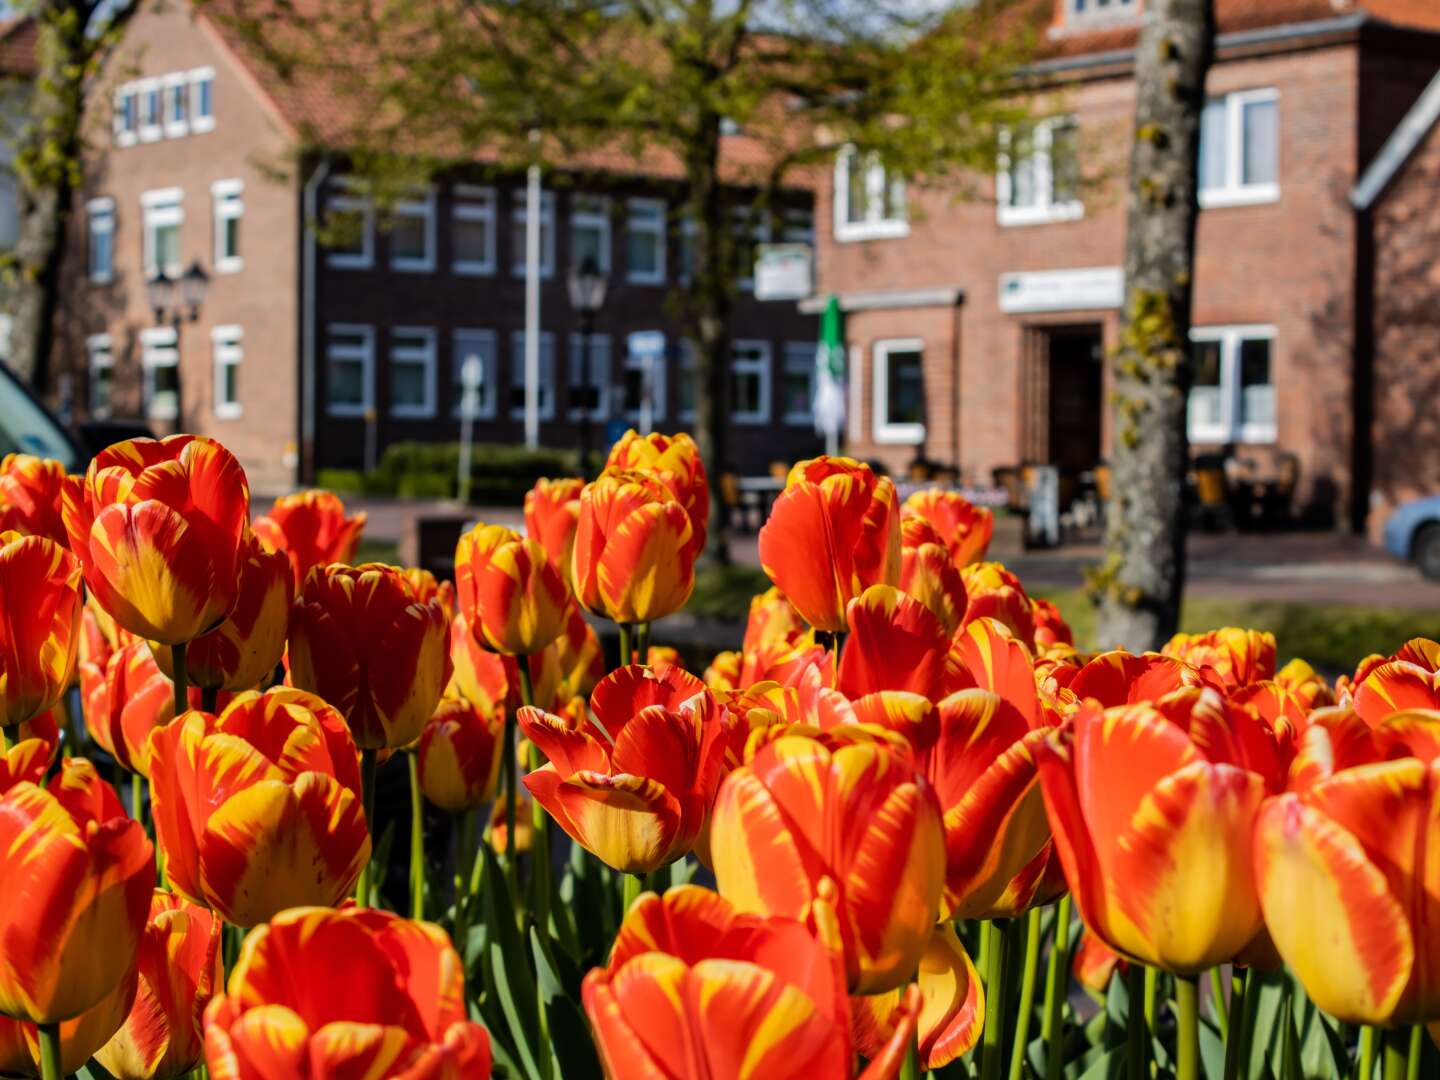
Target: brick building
x,y
305,353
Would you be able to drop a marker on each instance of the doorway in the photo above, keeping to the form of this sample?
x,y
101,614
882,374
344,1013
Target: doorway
x,y
1075,405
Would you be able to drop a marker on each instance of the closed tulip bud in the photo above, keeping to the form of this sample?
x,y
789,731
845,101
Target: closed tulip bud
x,y
80,1036
853,826
161,1038
675,461
258,809
158,526
963,527
1308,686
496,832
1232,657
30,497
552,511
78,874
460,754
513,598
896,643
995,593
125,702
634,557
928,574
833,532
362,640
311,528
40,633
348,993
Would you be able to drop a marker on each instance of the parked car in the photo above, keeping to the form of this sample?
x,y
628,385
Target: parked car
x,y
1412,532
27,427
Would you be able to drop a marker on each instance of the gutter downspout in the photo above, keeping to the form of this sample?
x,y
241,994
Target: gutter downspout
x,y
306,463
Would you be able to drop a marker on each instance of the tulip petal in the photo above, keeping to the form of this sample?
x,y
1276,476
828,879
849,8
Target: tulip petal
x,y
759,868
152,572
628,822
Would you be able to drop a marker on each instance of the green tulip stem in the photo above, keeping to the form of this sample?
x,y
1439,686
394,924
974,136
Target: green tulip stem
x,y
1152,980
508,763
1397,1053
367,800
209,697
417,838
993,1044
4,739
137,808
1367,1052
642,643
50,1052
1028,976
1235,1024
466,859
1057,988
1417,1051
1135,1027
634,886
1217,1001
624,644
539,820
910,1067
1187,1001
181,678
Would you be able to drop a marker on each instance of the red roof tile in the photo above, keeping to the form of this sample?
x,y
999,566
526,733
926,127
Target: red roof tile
x,y
18,38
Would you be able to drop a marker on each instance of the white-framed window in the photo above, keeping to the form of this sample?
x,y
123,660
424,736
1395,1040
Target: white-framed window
x,y
412,233
752,228
100,234
1097,9
1232,396
685,390
350,218
102,371
589,381
349,369
1039,175
225,343
160,370
590,231
547,375
645,241
547,233
127,116
163,214
797,383
869,200
176,97
642,377
899,391
688,231
412,372
227,198
202,99
1240,148
472,230
750,382
481,345
152,109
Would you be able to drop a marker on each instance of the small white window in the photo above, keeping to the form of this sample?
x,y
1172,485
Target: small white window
x,y
176,97
472,230
686,390
644,376
100,214
1097,9
349,369
350,220
1232,396
645,242
546,383
589,383
479,345
590,231
127,116
752,228
869,201
225,342
412,234
547,233
152,110
797,383
1240,149
899,391
163,215
227,197
750,382
102,371
160,369
1039,177
412,372
202,99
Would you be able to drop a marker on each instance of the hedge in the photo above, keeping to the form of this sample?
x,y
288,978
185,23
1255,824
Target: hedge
x,y
500,474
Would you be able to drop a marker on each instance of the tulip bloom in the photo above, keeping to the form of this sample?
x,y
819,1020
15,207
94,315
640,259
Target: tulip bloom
x,y
80,1036
362,640
1396,686
355,992
896,643
24,761
634,784
78,875
853,826
963,527
478,675
258,809
162,1038
1153,817
552,511
1232,656
513,598
1122,678
833,532
125,702
1308,686
1050,627
30,492
928,574
40,633
675,461
158,527
697,990
460,754
995,593
311,528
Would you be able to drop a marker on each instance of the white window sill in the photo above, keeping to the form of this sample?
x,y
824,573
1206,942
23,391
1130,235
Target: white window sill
x,y
645,279
413,412
546,272
352,412
872,230
1039,215
125,138
899,434
480,414
202,124
161,413
229,266
151,134
176,131
799,419
749,419
473,269
101,279
1257,435
1254,195
232,411
349,262
413,266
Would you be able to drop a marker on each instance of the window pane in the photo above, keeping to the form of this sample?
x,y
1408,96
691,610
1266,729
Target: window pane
x,y
230,238
1213,145
167,245
152,107
1064,163
1022,174
642,251
407,384
408,238
100,389
905,397
347,382
229,380
795,392
346,226
1261,132
177,104
744,391
100,250
165,386
856,198
472,241
203,95
1204,408
1257,392
894,188
588,243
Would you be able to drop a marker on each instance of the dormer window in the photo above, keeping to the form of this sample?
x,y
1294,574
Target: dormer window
x,y
1078,10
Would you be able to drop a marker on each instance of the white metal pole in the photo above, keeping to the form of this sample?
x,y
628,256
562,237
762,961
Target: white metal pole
x,y
532,307
470,375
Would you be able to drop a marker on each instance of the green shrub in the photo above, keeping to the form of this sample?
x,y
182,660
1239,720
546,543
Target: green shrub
x,y
340,481
500,473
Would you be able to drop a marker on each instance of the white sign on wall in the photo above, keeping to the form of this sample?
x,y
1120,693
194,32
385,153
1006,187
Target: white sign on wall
x,y
1062,290
783,271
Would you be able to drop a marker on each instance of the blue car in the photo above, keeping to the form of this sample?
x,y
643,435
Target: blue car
x,y
1412,532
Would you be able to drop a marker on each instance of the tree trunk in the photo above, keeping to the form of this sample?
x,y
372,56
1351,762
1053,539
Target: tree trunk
x,y
1140,585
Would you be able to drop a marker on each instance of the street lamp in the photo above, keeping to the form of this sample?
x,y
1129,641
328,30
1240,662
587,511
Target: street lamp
x,y
160,293
587,296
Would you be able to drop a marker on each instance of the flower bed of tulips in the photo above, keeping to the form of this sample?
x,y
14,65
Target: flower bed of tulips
x,y
936,839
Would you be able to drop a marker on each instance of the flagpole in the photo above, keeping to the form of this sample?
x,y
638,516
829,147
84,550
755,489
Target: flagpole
x,y
532,303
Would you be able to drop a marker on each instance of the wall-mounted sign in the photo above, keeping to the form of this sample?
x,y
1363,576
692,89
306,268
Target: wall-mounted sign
x,y
1062,290
783,271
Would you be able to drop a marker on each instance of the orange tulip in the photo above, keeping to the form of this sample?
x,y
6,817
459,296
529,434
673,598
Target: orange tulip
x,y
1050,627
675,461
1122,678
311,528
161,1038
25,761
772,618
696,990
362,639
478,675
853,826
78,875
125,702
896,643
258,809
348,993
1308,686
833,532
568,668
995,593
513,598
40,633
1232,656
1095,963
496,833
963,527
552,511
1153,814
460,754
158,526
80,1036
634,784
1396,686
30,490
928,574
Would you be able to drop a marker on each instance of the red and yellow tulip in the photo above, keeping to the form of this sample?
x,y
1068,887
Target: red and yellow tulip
x,y
25,761
30,497
1050,626
1396,686
1122,678
963,527
125,702
355,992
311,528
40,630
513,598
995,593
1232,656
1308,686
259,809
460,754
552,512
675,461
928,574
896,643
80,1036
478,675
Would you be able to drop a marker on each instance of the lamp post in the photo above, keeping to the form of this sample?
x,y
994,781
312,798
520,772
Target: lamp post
x,y
160,293
587,296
